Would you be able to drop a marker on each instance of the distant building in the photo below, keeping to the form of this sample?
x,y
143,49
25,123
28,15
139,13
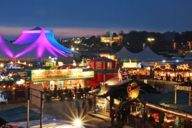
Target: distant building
x,y
77,40
104,69
111,38
109,56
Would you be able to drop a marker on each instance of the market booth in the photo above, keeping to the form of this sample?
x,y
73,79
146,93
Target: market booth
x,y
134,68
62,78
110,94
113,94
181,73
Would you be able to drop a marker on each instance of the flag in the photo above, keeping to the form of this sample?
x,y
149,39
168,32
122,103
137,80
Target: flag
x,y
144,45
119,75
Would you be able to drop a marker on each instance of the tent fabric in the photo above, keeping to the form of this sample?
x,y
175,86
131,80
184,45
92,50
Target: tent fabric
x,y
125,54
5,51
41,45
29,36
146,54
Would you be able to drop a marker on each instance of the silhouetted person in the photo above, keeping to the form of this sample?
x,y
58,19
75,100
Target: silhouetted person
x,y
2,122
75,91
90,103
112,115
124,116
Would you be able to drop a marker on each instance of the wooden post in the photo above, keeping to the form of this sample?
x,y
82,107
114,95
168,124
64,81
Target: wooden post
x,y
111,109
95,104
190,98
41,110
175,97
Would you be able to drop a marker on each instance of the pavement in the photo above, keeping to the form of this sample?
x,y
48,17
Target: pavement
x,y
99,116
67,110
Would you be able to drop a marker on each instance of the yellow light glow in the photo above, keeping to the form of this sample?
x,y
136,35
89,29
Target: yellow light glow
x,y
77,123
129,65
1,65
60,63
88,74
20,82
10,74
168,67
183,67
133,94
73,49
156,66
150,39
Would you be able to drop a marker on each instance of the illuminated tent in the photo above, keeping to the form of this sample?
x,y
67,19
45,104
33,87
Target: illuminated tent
x,y
5,52
28,36
146,54
125,54
39,43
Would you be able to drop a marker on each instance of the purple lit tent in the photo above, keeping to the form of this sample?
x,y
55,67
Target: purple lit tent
x,y
5,52
28,36
40,43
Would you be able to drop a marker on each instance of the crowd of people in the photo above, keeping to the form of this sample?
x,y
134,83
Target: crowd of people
x,y
67,94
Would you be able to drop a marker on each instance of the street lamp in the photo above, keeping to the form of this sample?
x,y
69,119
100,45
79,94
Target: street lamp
x,y
150,39
73,49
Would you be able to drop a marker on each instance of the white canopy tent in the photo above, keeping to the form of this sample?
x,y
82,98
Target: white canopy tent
x,y
146,54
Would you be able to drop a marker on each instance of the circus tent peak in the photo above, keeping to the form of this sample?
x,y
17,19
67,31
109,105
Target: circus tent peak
x,y
146,54
36,28
4,49
29,36
44,45
125,54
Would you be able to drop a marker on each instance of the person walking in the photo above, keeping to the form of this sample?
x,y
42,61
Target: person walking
x,y
112,115
90,103
84,106
78,106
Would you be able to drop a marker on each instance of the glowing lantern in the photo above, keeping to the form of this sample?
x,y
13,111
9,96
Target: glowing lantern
x,y
133,91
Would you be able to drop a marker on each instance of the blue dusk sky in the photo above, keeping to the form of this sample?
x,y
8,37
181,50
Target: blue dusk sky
x,y
92,17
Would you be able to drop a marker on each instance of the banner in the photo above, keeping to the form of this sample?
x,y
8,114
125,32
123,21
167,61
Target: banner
x,y
47,75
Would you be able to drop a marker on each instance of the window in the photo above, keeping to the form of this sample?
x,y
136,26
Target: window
x,y
109,65
98,65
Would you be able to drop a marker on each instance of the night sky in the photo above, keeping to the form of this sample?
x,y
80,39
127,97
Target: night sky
x,y
87,17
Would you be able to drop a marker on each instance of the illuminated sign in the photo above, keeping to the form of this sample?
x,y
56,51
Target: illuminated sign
x,y
47,75
130,65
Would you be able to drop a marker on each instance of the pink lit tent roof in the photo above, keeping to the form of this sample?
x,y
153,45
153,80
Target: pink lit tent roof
x,y
29,36
40,43
5,52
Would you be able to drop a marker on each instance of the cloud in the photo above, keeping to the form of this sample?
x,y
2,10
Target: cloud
x,y
62,32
